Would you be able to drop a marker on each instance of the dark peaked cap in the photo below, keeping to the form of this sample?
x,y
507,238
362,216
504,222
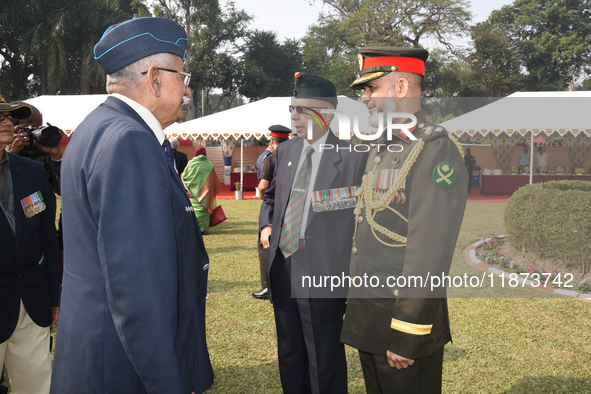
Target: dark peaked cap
x,y
279,131
375,62
314,87
135,39
19,110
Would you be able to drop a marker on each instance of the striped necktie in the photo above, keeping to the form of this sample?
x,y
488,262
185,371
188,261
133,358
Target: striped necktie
x,y
292,221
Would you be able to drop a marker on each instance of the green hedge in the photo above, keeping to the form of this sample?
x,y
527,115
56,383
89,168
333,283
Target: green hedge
x,y
553,219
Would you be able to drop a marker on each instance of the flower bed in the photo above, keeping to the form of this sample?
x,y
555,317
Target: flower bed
x,y
496,252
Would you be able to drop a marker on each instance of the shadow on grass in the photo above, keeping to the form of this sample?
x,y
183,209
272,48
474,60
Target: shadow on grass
x,y
240,379
453,353
551,384
217,285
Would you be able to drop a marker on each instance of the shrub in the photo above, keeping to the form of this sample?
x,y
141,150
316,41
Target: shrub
x,y
553,219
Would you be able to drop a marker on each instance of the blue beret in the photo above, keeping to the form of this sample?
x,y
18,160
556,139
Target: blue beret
x,y
135,39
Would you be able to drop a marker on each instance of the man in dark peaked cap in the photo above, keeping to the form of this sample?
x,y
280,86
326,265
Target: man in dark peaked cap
x,y
408,218
279,134
135,267
300,240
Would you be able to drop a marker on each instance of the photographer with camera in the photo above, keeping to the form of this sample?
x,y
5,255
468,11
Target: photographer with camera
x,y
42,144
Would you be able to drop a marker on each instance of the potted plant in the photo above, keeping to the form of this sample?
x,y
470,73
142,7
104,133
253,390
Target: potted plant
x,y
238,192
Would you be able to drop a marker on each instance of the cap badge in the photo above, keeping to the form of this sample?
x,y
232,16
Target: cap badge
x,y
360,59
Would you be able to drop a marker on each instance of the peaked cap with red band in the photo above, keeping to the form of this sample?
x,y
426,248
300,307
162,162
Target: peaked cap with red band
x,y
375,62
279,131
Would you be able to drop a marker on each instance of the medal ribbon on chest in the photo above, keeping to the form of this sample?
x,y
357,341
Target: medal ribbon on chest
x,y
33,204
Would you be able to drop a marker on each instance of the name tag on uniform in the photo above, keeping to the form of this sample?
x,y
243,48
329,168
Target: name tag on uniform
x,y
33,204
334,199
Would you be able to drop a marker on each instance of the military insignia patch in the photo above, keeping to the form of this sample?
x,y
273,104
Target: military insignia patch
x,y
444,175
360,59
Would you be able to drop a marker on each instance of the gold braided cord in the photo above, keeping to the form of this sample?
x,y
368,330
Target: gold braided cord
x,y
373,204
389,234
455,141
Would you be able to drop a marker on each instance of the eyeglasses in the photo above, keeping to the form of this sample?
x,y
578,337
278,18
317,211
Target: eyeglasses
x,y
186,76
300,110
12,119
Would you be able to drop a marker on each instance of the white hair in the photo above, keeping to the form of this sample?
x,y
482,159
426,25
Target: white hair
x,y
174,143
130,77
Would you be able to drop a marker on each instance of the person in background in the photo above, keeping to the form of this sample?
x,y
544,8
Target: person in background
x,y
30,263
523,158
132,311
180,158
279,134
299,240
470,162
202,184
541,158
50,158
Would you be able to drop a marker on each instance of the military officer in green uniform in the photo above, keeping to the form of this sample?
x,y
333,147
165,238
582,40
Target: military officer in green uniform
x,y
408,216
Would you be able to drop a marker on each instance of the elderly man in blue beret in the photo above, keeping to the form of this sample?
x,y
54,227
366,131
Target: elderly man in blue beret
x,y
135,267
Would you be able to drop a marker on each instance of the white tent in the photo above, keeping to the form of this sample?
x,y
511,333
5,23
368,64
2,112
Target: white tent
x,y
556,114
66,112
522,113
253,120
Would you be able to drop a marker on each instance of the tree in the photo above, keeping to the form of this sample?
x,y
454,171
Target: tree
x,y
214,63
269,66
331,45
553,38
496,61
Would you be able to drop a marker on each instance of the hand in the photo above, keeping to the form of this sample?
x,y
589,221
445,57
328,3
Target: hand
x,y
55,313
265,234
56,153
19,142
397,361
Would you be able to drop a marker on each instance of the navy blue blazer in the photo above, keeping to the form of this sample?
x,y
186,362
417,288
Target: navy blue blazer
x,y
329,235
30,260
135,268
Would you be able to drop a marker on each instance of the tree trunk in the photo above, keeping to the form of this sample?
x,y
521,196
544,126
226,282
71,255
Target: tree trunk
x,y
84,76
44,74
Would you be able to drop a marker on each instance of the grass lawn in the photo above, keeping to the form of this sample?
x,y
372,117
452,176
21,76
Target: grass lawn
x,y
501,345
513,345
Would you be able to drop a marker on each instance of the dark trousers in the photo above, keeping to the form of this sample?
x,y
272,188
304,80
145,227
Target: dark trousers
x,y
262,262
311,357
423,377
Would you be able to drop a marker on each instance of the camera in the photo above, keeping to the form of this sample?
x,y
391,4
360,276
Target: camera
x,y
47,135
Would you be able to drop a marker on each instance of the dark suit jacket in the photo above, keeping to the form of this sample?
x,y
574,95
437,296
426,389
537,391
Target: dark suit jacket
x,y
181,161
30,261
328,234
133,301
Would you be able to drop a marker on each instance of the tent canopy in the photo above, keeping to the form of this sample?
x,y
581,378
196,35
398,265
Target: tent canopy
x,y
253,119
543,113
66,112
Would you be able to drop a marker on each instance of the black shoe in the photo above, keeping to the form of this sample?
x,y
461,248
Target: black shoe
x,y
263,293
3,389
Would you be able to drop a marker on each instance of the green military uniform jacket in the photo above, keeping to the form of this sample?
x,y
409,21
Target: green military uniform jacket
x,y
381,317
